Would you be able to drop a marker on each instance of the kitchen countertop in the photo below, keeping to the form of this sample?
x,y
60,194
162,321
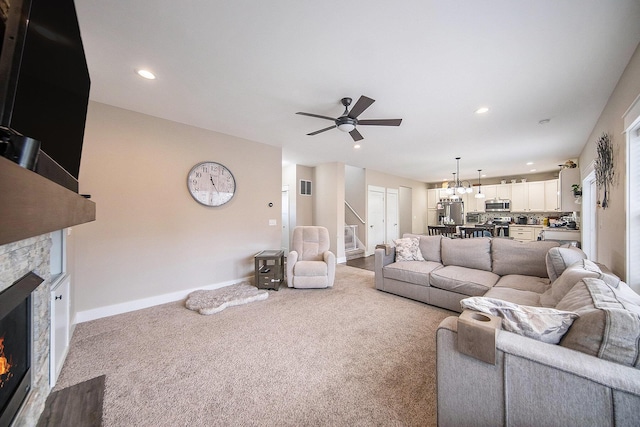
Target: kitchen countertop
x,y
561,229
526,225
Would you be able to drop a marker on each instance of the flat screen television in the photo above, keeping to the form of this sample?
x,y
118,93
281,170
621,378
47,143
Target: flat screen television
x,y
44,83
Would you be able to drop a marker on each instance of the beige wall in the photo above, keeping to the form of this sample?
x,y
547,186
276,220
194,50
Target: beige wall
x,y
150,237
418,192
329,203
611,222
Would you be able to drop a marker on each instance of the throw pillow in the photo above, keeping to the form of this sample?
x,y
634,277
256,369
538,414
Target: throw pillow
x,y
543,324
408,249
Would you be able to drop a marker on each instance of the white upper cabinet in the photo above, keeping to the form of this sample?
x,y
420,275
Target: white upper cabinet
x,y
551,196
503,191
519,195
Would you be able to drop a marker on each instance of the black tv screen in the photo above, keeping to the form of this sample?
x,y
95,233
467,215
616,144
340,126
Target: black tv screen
x,y
45,88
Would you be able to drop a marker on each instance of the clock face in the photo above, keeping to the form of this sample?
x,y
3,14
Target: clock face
x,y
211,184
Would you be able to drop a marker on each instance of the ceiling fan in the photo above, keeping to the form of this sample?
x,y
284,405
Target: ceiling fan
x,y
348,121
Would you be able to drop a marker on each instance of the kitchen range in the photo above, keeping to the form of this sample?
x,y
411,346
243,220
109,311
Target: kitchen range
x,y
501,225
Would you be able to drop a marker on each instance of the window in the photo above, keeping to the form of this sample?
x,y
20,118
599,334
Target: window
x,y
633,208
632,129
305,187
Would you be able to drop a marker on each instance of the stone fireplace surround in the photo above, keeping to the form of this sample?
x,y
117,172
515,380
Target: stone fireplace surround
x,y
16,260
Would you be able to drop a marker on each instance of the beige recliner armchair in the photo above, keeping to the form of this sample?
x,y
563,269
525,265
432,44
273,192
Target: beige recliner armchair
x,y
310,264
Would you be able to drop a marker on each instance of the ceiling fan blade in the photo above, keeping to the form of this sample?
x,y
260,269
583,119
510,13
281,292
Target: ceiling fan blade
x,y
356,135
322,130
380,122
317,116
362,104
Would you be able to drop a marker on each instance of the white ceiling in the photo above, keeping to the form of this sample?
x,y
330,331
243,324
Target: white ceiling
x,y
245,67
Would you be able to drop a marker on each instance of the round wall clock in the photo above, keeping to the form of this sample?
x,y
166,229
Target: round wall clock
x,y
211,184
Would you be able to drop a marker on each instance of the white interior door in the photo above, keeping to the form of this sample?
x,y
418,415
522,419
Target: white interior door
x,y
285,219
375,218
392,215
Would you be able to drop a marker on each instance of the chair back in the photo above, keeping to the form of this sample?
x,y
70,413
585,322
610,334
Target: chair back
x,y
466,232
310,241
445,230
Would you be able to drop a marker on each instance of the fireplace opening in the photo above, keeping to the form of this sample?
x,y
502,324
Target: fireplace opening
x,y
15,345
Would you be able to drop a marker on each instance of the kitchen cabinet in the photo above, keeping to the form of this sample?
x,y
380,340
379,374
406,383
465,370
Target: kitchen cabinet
x,y
490,191
519,196
503,191
535,196
432,198
471,204
551,196
567,178
432,217
524,233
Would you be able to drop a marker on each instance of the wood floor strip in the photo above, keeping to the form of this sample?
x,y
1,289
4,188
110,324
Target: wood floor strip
x,y
79,405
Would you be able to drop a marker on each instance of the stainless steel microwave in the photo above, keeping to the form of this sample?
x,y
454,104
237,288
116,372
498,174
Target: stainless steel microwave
x,y
497,206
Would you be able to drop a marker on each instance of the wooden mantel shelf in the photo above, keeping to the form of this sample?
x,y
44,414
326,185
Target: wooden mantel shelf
x,y
31,205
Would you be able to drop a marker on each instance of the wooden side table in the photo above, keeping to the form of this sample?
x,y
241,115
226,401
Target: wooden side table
x,y
269,269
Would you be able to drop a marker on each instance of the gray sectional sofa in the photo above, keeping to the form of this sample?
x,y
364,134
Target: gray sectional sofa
x,y
454,269
590,377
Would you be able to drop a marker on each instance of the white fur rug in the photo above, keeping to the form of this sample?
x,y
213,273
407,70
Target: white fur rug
x,y
210,302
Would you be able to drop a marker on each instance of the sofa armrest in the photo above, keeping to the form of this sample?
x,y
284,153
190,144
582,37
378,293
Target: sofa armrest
x,y
330,258
292,258
380,260
532,383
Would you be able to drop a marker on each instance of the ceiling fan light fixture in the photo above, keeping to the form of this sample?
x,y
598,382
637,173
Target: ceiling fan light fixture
x,y
346,127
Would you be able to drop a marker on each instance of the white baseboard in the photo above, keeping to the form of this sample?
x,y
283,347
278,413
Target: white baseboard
x,y
125,307
341,260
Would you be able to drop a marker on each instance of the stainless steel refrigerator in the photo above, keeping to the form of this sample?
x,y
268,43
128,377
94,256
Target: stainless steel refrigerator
x,y
450,212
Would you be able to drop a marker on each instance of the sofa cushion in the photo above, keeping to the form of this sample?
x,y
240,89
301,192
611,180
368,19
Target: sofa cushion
x,y
470,253
514,257
558,259
416,272
569,277
310,268
516,296
524,283
540,323
429,246
609,322
462,280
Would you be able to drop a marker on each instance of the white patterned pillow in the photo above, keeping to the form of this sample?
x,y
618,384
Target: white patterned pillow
x,y
540,323
408,249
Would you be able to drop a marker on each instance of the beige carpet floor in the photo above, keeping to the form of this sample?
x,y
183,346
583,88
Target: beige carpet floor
x,y
345,356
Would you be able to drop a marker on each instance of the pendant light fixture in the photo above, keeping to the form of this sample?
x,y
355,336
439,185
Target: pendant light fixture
x,y
457,187
479,194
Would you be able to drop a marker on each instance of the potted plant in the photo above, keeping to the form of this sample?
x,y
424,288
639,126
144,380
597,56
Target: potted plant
x,y
577,190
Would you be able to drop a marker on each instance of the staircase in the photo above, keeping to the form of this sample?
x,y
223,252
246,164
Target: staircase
x,y
352,249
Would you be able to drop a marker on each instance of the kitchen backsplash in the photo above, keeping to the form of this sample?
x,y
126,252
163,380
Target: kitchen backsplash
x,y
532,218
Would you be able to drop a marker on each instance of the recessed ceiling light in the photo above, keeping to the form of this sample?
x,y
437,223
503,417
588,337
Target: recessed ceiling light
x,y
532,170
146,74
356,146
484,175
482,110
544,121
529,163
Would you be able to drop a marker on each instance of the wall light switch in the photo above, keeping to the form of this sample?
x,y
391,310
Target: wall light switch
x,y
273,222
